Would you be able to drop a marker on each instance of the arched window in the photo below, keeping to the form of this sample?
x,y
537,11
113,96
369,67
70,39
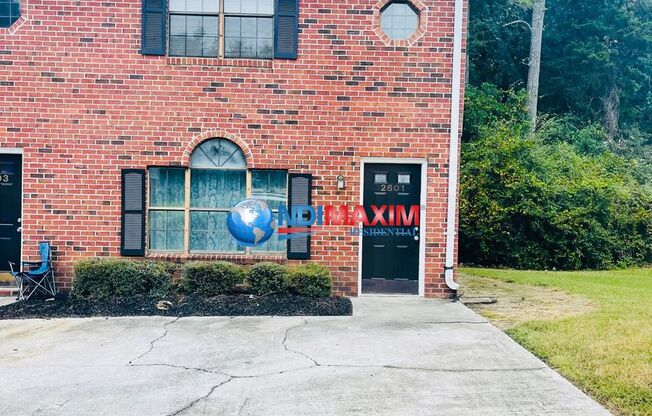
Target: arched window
x,y
218,154
188,207
218,181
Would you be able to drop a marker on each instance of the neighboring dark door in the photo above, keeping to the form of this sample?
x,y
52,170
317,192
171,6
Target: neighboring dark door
x,y
390,260
10,209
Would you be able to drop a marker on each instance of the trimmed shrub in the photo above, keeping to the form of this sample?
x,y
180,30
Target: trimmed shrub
x,y
101,278
310,280
211,278
264,278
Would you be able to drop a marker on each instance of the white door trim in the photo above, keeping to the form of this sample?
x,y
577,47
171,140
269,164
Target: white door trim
x,y
422,213
19,151
11,150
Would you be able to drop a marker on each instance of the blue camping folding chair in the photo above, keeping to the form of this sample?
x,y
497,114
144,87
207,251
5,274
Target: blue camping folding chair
x,y
35,276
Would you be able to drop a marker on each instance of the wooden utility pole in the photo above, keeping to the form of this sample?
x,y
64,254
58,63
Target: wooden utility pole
x,y
538,13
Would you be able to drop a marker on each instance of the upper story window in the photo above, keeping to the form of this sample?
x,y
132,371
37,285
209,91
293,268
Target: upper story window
x,y
248,28
194,27
221,28
9,12
399,20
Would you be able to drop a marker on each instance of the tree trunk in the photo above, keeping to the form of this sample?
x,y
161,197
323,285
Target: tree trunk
x,y
612,112
538,13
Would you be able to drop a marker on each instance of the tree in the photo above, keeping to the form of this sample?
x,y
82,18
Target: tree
x,y
597,63
534,63
497,50
497,46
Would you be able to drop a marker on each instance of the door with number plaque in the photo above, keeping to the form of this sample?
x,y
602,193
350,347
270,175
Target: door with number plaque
x,y
390,254
10,209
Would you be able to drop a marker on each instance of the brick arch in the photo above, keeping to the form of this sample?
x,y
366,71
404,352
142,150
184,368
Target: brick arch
x,y
215,134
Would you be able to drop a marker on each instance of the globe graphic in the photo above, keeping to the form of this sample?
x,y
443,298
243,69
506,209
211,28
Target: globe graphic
x,y
251,222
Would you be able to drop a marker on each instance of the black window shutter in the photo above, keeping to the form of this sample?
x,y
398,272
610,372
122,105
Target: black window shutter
x,y
132,241
286,29
153,27
300,193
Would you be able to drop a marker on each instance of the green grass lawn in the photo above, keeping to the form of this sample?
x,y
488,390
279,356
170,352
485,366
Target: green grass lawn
x,y
606,352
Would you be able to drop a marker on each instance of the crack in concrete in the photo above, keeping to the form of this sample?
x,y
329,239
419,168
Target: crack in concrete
x,y
56,406
194,402
242,406
182,367
212,371
59,406
397,367
155,340
315,364
285,338
232,377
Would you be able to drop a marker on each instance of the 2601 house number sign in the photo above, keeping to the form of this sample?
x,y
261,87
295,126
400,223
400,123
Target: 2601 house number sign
x,y
392,188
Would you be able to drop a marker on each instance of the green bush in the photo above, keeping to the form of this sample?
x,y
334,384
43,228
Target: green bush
x,y
264,278
310,280
102,278
586,138
537,202
211,278
486,105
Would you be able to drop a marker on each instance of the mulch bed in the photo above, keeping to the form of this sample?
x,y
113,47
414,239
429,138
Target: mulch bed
x,y
63,306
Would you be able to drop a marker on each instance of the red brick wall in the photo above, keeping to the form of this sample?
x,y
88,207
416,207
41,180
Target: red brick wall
x,y
81,101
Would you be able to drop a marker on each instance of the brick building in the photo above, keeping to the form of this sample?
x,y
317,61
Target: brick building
x,y
190,105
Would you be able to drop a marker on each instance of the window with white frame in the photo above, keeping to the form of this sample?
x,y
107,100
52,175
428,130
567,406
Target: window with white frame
x,y
188,207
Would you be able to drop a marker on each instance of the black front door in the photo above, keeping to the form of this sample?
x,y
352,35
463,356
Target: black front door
x,y
390,247
10,209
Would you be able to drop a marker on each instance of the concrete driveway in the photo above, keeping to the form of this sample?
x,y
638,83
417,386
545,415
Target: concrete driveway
x,y
395,356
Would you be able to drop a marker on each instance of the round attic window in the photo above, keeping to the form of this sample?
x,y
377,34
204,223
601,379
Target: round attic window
x,y
399,20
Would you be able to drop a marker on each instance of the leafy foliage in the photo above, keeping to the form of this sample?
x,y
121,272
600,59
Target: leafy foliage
x,y
589,48
596,65
211,278
312,280
587,138
264,278
497,52
101,278
538,203
592,48
487,105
